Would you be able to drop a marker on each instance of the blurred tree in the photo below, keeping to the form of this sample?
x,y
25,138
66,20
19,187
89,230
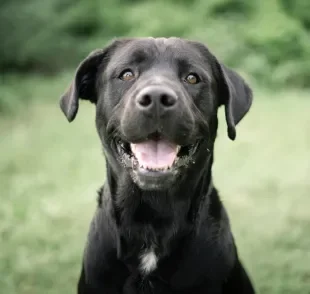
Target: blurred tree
x,y
299,9
50,35
267,39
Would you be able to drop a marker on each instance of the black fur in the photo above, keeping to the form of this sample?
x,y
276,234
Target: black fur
x,y
179,216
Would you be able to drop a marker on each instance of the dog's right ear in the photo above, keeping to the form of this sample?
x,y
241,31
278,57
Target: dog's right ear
x,y
84,82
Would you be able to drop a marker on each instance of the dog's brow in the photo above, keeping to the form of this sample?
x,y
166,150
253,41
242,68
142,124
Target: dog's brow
x,y
138,56
184,63
134,56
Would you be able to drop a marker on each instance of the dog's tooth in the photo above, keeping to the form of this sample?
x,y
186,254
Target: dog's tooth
x,y
134,162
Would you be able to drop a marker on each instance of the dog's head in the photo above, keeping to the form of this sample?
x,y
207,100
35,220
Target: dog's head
x,y
156,105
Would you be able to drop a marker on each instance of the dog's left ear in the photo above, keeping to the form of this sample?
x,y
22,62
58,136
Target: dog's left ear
x,y
235,95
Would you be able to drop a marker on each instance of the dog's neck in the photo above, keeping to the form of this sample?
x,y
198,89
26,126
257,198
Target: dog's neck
x,y
146,218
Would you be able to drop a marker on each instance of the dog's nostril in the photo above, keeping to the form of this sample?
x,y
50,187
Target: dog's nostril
x,y
167,100
156,98
145,100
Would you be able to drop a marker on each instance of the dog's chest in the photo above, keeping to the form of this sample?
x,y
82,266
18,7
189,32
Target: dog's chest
x,y
148,261
145,238
143,259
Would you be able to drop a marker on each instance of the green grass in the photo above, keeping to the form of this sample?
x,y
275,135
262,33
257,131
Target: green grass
x,y
50,171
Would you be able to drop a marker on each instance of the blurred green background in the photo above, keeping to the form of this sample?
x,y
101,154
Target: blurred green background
x,y
50,170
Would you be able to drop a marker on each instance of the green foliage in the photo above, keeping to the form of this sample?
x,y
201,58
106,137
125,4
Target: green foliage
x,y
228,8
51,35
299,9
267,39
282,46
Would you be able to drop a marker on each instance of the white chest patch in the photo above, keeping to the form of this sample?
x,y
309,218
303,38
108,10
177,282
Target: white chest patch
x,y
148,261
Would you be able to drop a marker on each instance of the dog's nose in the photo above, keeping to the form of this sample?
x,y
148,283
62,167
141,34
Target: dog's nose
x,y
158,99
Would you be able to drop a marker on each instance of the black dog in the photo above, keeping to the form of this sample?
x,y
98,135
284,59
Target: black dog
x,y
160,226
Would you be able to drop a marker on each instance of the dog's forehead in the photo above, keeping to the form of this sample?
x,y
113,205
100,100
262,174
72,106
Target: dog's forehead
x,y
161,48
171,43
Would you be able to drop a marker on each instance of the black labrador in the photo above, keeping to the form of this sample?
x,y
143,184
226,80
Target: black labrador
x,y
160,226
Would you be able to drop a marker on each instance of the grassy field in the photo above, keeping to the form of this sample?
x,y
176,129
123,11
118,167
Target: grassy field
x,y
50,171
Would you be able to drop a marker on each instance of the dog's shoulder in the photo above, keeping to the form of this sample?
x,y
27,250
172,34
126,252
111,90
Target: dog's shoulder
x,y
213,225
210,254
102,235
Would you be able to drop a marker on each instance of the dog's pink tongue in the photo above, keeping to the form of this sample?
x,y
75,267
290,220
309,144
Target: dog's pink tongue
x,y
155,154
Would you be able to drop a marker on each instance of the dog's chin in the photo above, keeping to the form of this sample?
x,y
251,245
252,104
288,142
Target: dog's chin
x,y
155,165
153,180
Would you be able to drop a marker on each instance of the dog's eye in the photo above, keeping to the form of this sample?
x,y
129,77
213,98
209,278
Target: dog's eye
x,y
192,79
127,75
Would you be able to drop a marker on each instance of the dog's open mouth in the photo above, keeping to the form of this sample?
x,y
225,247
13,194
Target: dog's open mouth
x,y
155,154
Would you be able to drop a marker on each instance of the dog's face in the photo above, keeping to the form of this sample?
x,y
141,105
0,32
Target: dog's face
x,y
157,102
